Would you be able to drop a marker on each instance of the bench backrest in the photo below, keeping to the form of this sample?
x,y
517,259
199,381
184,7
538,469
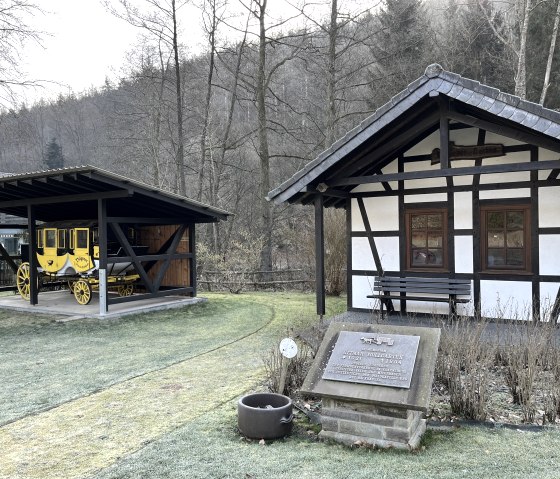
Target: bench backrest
x,y
451,286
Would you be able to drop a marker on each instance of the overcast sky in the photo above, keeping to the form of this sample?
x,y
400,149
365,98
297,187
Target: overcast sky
x,y
83,43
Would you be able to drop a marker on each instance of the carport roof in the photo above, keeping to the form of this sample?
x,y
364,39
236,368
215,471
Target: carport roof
x,y
72,194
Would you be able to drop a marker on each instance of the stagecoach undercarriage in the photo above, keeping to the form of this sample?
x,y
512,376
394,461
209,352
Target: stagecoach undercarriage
x,y
81,286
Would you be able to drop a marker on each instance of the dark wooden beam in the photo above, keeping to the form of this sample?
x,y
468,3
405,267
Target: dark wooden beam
x,y
554,174
33,273
508,131
319,255
192,248
102,234
51,200
448,172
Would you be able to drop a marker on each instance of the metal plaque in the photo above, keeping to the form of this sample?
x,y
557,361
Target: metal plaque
x,y
373,358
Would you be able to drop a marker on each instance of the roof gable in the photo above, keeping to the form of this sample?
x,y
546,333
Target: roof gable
x,y
488,102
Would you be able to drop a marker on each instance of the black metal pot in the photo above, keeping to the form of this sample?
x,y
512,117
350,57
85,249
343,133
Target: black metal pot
x,y
265,416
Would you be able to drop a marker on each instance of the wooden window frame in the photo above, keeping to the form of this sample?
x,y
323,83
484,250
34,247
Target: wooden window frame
x,y
505,269
419,210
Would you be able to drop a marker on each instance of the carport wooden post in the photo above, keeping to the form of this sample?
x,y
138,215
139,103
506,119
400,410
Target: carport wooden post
x,y
33,283
319,255
102,232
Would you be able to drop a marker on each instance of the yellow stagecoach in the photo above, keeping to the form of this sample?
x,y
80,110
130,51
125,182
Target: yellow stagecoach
x,y
70,253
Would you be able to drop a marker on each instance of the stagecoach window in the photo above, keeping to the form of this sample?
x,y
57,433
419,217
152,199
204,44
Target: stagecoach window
x,y
81,238
39,238
95,235
50,238
505,238
426,236
62,238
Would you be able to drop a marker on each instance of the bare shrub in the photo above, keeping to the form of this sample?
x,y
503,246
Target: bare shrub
x,y
462,366
234,266
296,370
524,351
335,251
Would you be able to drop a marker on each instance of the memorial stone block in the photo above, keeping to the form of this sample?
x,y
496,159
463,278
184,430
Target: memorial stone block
x,y
375,381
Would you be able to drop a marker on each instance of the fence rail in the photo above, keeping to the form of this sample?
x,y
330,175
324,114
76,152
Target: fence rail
x,y
236,281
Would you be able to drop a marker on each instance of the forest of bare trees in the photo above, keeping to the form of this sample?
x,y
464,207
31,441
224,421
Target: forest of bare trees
x,y
227,125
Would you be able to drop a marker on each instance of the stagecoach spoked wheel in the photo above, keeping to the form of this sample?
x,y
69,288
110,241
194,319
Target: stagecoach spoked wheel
x,y
23,280
125,289
82,292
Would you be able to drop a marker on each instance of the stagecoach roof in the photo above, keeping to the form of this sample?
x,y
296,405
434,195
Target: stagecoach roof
x,y
73,194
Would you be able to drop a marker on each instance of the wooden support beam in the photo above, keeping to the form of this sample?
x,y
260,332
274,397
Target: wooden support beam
x,y
508,131
448,172
33,273
102,234
319,255
51,200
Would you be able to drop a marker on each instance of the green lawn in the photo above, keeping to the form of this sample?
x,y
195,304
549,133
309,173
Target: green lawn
x,y
154,396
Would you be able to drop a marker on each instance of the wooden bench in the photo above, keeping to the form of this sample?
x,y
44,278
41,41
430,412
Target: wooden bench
x,y
442,290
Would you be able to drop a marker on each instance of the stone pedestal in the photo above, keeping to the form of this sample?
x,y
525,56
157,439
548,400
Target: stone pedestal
x,y
348,422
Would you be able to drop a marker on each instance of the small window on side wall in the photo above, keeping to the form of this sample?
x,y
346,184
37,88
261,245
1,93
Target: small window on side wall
x,y
506,238
426,238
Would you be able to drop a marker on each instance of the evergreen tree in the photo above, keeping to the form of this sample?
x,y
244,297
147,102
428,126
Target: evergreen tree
x,y
53,155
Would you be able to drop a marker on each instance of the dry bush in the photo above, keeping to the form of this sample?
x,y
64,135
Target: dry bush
x,y
296,371
462,366
524,350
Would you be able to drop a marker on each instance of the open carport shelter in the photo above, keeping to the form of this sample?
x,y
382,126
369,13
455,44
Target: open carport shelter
x,y
165,221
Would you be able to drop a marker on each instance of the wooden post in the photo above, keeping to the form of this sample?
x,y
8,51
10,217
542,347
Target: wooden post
x,y
319,255
33,275
192,248
102,234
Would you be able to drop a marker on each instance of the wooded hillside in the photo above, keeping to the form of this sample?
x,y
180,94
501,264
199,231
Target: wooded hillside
x,y
228,125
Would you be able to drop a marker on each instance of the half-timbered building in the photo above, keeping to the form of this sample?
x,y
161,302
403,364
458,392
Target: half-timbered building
x,y
450,179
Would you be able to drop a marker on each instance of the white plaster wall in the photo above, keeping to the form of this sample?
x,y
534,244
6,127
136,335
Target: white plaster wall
x,y
383,214
463,210
497,194
392,167
388,248
549,254
548,296
546,155
424,183
464,254
466,136
362,257
549,207
425,198
510,158
426,146
504,140
507,299
361,287
462,180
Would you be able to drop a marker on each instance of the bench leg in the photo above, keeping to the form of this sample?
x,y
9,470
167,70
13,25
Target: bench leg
x,y
452,308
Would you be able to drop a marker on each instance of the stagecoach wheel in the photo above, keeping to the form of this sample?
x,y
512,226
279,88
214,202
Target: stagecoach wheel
x,y
125,289
23,280
82,292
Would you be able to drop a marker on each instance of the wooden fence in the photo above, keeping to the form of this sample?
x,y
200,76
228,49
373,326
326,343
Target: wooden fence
x,y
236,281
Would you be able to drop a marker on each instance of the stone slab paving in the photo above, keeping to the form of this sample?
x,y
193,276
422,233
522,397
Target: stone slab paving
x,y
90,433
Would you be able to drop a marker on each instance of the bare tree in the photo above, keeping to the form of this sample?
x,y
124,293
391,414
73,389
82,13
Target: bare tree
x,y
15,33
159,18
553,39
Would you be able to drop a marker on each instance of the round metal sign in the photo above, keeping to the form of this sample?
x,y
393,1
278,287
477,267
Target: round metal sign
x,y
288,348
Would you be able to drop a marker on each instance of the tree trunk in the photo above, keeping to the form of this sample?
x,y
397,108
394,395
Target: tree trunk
x,y
553,38
521,76
203,139
266,208
180,155
331,76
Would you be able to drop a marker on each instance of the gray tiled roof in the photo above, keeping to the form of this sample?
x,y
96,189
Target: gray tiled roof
x,y
435,80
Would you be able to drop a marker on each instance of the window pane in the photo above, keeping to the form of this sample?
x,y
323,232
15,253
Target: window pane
x,y
435,222
496,257
419,257
419,239
418,222
515,257
50,238
82,239
515,239
62,238
496,220
435,240
515,220
495,240
437,256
